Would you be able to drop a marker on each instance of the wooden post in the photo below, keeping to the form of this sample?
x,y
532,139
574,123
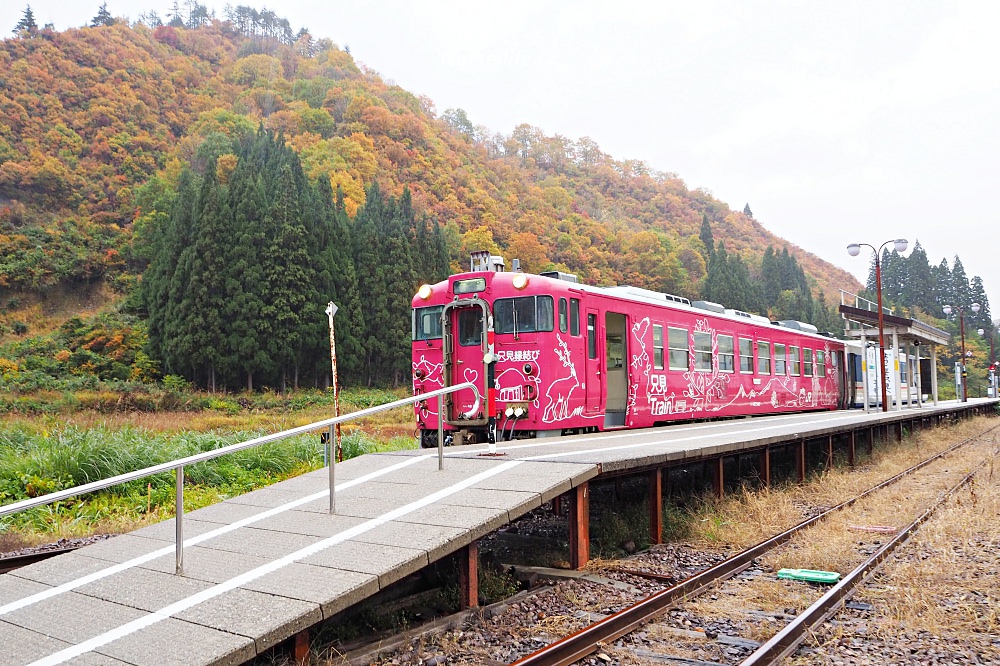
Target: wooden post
x,y
765,466
850,448
579,527
829,451
800,460
468,576
718,480
871,440
557,505
301,648
656,506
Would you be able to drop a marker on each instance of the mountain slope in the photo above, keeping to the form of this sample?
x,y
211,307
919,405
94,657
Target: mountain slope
x,y
96,123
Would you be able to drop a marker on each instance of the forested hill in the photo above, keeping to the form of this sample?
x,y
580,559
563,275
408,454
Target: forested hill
x,y
124,147
90,116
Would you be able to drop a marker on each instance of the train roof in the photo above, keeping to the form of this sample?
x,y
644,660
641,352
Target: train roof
x,y
641,295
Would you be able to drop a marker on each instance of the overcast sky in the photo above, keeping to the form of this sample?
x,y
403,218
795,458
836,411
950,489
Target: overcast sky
x,y
836,121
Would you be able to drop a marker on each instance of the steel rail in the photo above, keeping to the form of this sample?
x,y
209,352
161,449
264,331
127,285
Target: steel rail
x,y
786,641
576,646
179,464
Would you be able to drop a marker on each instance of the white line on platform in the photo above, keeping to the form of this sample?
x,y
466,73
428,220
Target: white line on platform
x,y
166,550
233,583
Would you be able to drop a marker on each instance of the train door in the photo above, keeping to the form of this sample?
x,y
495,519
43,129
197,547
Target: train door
x,y
616,376
467,325
844,383
595,379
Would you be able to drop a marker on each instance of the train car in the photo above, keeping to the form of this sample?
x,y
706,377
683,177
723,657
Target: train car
x,y
556,357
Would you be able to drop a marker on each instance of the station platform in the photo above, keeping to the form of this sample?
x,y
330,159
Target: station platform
x,y
265,566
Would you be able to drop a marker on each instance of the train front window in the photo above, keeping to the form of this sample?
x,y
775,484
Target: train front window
x,y
527,314
470,327
427,323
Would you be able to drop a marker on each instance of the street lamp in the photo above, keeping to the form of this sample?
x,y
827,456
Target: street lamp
x,y
854,249
993,367
961,327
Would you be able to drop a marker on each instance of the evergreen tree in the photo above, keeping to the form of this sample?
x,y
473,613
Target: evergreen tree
x,y
941,288
982,319
167,242
369,264
27,23
770,273
706,237
103,18
918,291
960,288
747,211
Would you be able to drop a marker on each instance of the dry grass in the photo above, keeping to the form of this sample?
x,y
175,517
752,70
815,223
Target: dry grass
x,y
745,518
947,579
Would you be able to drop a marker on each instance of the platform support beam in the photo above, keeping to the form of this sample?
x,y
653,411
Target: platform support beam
x,y
557,502
718,479
871,440
829,452
851,447
656,506
800,460
765,466
301,648
579,527
468,576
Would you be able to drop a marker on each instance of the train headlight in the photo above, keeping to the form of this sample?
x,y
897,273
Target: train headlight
x,y
424,292
509,412
520,281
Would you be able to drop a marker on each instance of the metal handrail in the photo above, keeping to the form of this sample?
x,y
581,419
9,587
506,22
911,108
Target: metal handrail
x,y
180,463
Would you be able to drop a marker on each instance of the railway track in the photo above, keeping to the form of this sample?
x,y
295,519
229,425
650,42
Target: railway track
x,y
785,641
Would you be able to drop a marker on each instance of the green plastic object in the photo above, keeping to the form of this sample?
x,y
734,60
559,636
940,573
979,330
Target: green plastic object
x,y
809,575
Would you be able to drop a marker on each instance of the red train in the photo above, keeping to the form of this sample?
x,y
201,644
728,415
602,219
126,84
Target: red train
x,y
563,357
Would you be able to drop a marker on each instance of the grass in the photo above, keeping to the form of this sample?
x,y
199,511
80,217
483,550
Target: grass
x,y
40,455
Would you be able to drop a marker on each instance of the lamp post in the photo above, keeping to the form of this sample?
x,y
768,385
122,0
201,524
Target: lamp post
x,y
993,388
854,249
961,327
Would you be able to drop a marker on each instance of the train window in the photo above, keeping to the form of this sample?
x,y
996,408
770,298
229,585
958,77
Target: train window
x,y
526,314
677,342
470,327
563,315
820,363
779,360
657,347
591,336
793,360
574,316
746,355
807,362
427,323
727,354
703,351
470,286
763,358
